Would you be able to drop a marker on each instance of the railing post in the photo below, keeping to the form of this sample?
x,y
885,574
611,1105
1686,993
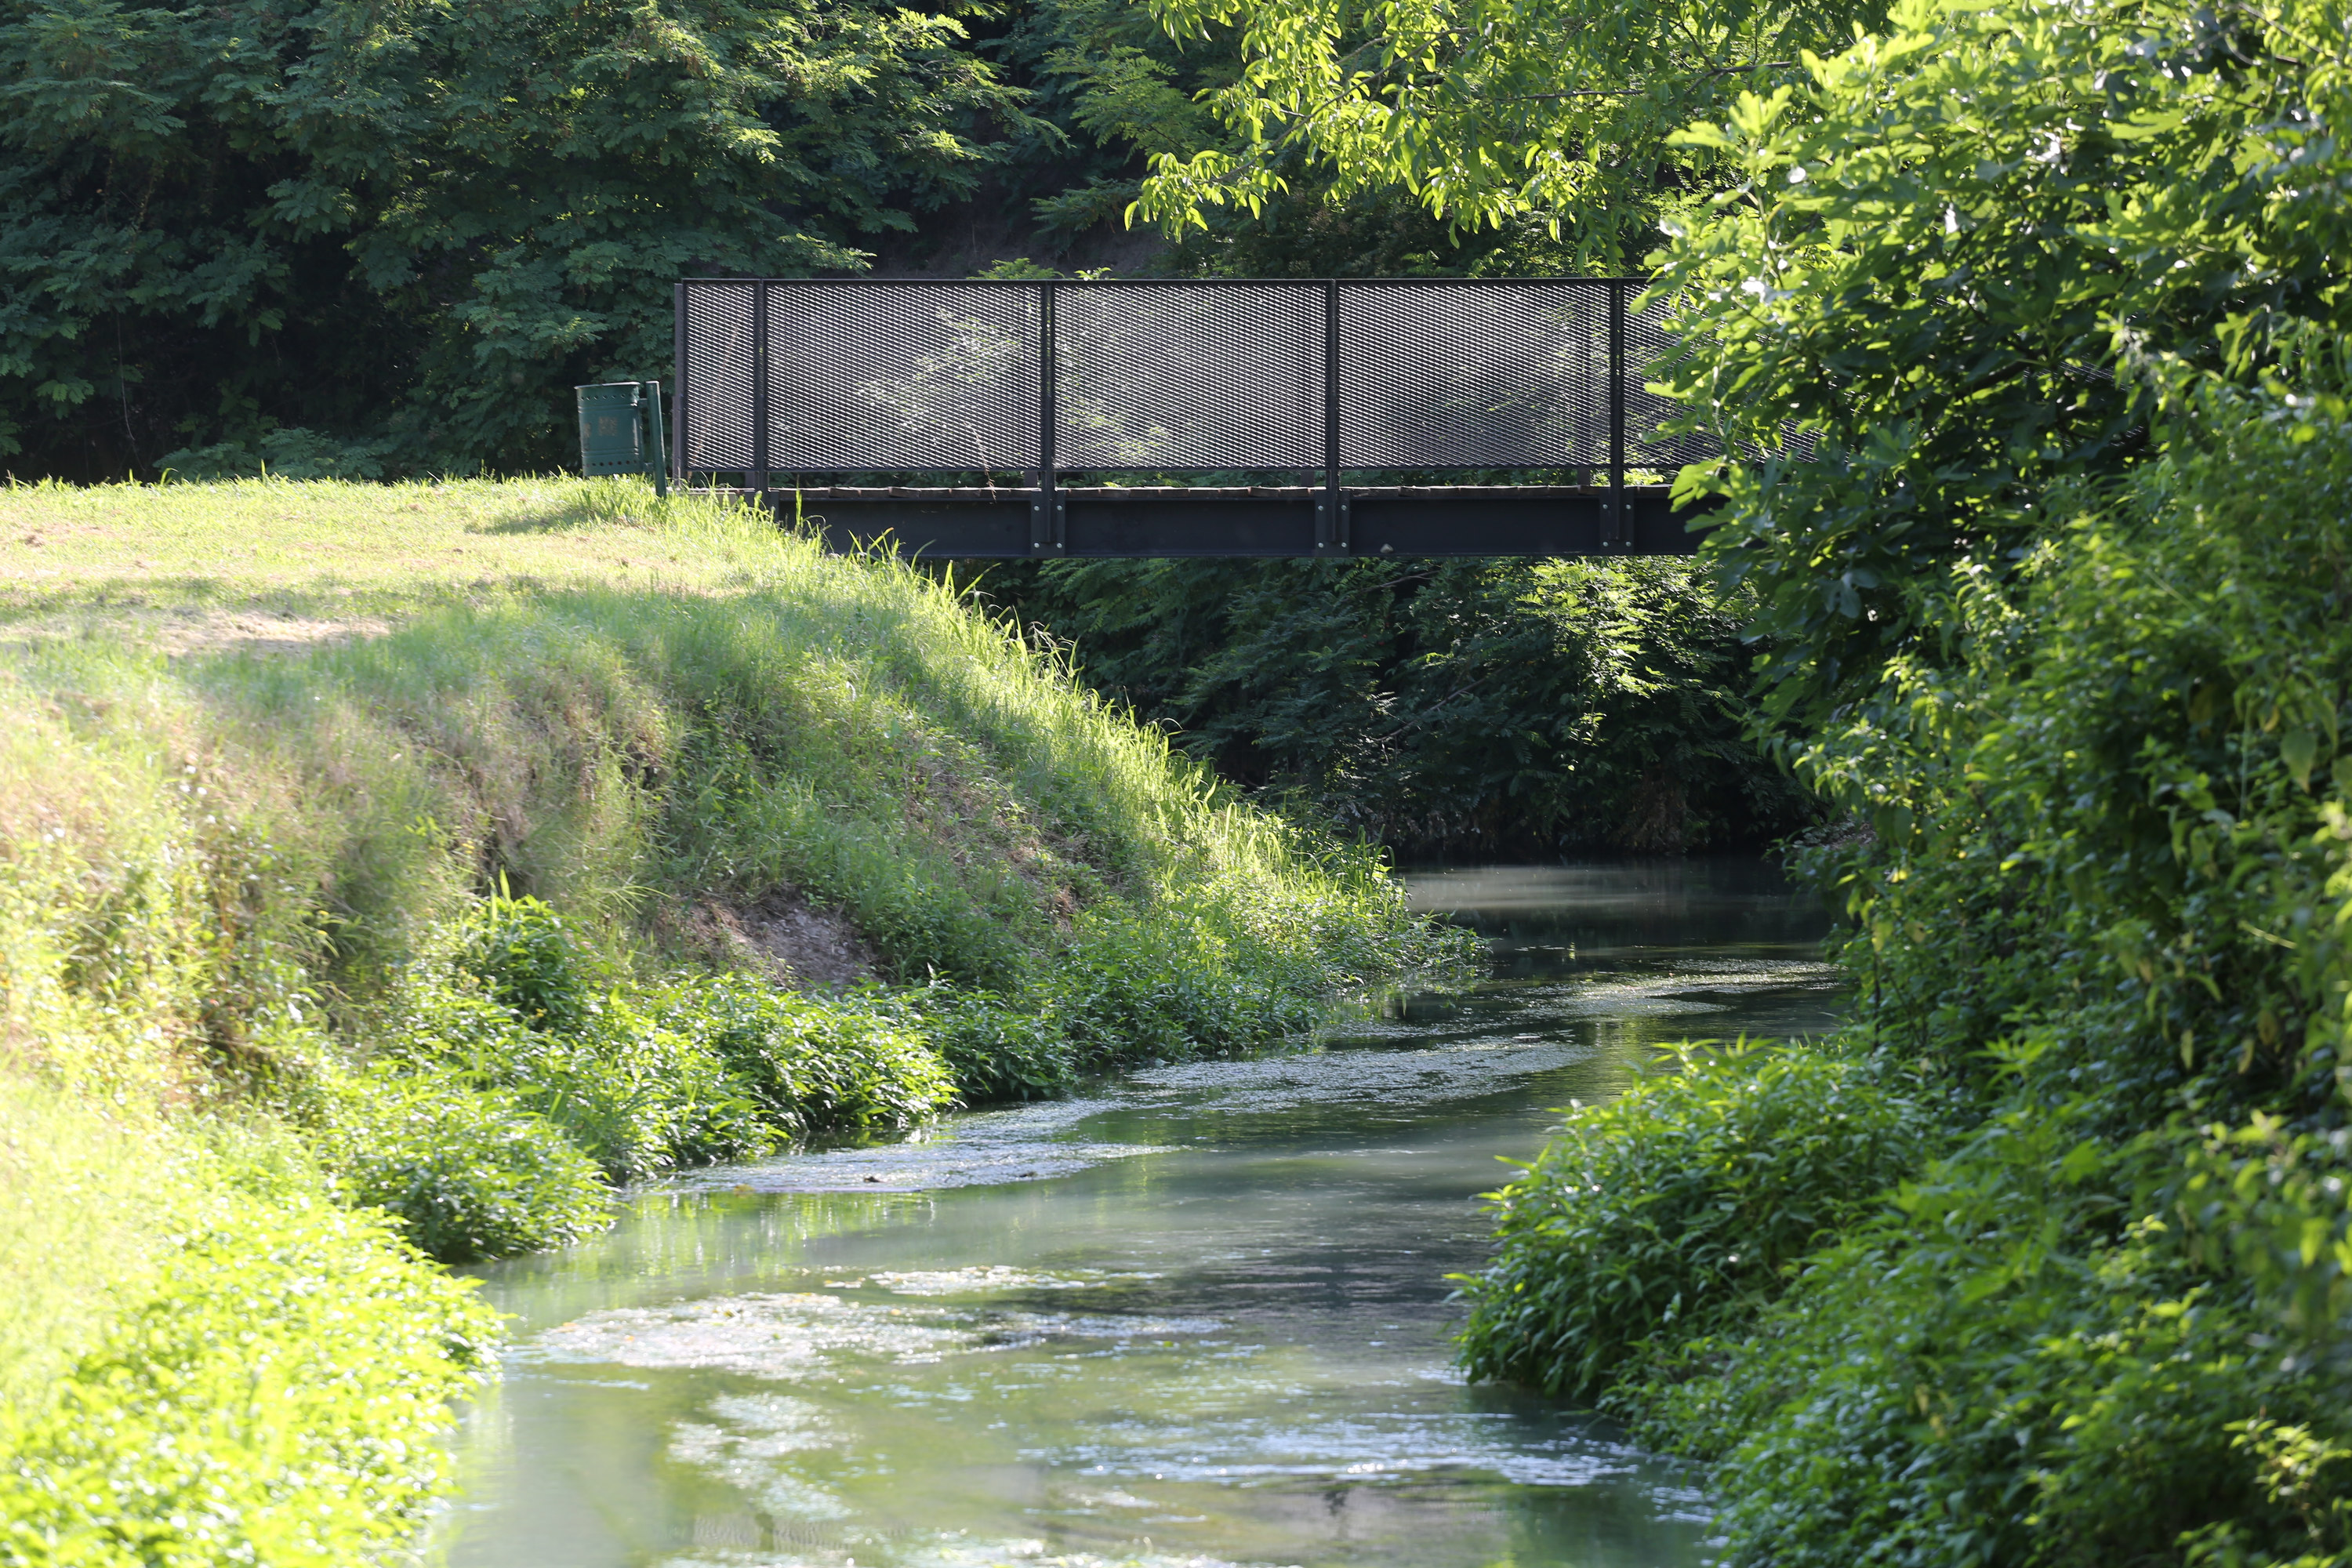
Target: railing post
x,y
1331,511
1614,533
678,388
760,389
1046,533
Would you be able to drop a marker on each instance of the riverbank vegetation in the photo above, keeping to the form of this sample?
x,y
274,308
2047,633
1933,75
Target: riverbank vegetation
x,y
390,871
2059,594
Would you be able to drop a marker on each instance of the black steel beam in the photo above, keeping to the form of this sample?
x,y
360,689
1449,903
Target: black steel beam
x,y
1264,521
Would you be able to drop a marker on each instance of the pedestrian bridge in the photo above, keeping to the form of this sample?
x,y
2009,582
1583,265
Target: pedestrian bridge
x,y
1036,420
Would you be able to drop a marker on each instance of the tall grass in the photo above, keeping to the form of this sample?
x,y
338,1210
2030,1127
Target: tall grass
x,y
761,714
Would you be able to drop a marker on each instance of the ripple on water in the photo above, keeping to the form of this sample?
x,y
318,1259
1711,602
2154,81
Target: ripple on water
x,y
760,1430
954,1553
985,1278
1358,1447
798,1334
1025,1143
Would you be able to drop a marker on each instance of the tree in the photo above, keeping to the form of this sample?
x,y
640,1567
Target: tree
x,y
1960,262
394,234
1486,111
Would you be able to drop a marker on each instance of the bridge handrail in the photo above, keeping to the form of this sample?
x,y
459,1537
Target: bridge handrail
x,y
1047,377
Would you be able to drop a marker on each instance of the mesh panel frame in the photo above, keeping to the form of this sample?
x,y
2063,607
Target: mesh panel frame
x,y
1153,377
722,373
1648,348
927,377
942,377
1473,375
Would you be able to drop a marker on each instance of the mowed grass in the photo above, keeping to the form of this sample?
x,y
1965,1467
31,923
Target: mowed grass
x,y
196,567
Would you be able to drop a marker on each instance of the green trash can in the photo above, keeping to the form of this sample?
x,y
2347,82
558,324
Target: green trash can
x,y
621,431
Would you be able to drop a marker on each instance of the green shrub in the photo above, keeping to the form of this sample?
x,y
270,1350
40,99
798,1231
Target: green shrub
x,y
1135,988
637,1094
2106,901
711,1067
84,1212
995,1051
279,1398
813,1064
2007,1366
1674,1212
528,962
465,1173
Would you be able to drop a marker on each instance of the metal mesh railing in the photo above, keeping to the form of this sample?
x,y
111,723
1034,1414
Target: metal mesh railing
x,y
1648,347
1471,375
715,341
914,375
869,376
1177,378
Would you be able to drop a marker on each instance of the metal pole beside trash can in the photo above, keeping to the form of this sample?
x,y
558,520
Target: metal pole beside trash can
x,y
621,431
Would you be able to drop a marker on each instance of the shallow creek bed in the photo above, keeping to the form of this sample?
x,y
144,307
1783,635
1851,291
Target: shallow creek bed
x,y
1197,1318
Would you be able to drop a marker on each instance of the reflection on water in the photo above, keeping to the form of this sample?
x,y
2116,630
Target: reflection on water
x,y
1198,1317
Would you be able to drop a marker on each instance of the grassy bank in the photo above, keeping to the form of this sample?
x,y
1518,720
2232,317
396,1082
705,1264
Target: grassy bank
x,y
451,851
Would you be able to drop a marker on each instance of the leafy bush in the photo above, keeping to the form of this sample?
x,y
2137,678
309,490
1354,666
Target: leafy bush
x,y
639,1078
2111,901
1676,1211
528,962
996,1050
279,1396
80,1227
1130,988
465,1173
2011,1365
814,1064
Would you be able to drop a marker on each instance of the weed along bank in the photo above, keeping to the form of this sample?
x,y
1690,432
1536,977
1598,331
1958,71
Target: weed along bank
x,y
396,876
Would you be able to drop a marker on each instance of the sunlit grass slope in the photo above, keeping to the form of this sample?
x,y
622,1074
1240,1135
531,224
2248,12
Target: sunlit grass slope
x,y
267,752
364,702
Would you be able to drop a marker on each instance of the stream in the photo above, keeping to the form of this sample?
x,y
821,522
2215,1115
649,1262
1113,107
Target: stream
x,y
1196,1319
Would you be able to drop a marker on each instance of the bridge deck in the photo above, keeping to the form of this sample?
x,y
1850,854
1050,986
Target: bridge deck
x,y
1107,520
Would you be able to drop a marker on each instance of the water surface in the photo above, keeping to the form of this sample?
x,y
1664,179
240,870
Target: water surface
x,y
1197,1318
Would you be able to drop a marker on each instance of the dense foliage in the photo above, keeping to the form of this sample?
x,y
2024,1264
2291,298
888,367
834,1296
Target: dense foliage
x,y
2121,924
1958,261
1675,1213
1441,707
278,1393
504,1090
2060,618
1489,113
348,237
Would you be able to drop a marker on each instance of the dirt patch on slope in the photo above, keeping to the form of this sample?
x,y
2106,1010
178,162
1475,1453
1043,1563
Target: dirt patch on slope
x,y
786,937
194,631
